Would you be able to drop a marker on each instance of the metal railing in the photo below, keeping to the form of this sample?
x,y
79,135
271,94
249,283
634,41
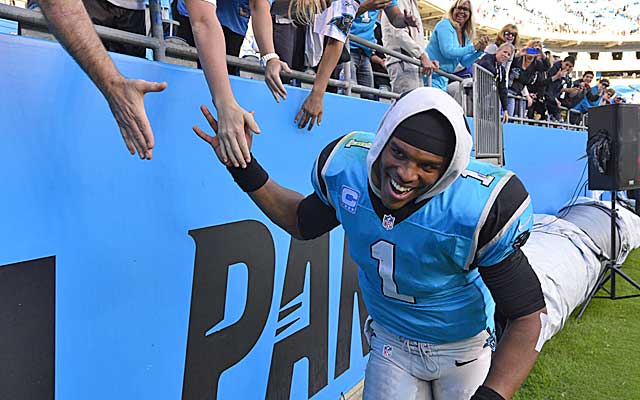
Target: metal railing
x,y
487,126
522,110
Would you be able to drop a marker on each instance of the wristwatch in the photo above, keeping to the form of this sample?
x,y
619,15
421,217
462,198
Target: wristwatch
x,y
265,58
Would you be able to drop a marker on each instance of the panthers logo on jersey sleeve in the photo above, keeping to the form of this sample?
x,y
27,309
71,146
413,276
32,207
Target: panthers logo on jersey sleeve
x,y
335,22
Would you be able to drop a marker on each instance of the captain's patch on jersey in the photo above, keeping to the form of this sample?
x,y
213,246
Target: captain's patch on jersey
x,y
349,199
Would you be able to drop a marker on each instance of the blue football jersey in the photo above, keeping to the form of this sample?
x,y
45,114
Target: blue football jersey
x,y
418,276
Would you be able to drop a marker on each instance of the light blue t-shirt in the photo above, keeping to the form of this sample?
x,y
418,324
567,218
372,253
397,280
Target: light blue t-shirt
x,y
234,14
585,104
364,27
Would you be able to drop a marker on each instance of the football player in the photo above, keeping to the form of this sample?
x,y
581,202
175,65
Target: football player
x,y
437,238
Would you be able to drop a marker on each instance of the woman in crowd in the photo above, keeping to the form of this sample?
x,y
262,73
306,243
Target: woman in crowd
x,y
451,44
494,63
525,69
508,34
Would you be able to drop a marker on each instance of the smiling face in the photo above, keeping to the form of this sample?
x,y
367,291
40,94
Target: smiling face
x,y
503,54
587,78
509,36
462,12
406,172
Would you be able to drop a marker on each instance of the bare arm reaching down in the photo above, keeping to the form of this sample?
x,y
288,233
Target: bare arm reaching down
x,y
209,38
263,30
70,23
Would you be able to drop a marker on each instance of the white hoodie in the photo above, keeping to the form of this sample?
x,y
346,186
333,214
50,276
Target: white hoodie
x,y
414,102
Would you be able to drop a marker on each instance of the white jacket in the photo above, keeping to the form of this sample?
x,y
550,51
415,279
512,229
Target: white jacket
x,y
409,39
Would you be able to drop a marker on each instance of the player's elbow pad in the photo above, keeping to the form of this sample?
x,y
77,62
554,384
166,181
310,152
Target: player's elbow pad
x,y
315,218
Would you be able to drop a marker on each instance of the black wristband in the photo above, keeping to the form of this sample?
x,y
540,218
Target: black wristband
x,y
251,178
486,393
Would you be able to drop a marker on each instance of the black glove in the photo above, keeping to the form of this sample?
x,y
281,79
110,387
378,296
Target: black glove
x,y
486,393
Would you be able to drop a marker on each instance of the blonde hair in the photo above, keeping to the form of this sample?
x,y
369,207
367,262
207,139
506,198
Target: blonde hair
x,y
511,28
535,43
469,27
302,12
509,45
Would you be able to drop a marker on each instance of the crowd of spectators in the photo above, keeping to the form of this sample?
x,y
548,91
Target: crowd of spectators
x,y
311,36
583,17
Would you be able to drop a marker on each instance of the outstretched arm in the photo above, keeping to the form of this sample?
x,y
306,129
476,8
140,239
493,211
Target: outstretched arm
x,y
209,38
302,217
263,30
311,110
70,23
399,18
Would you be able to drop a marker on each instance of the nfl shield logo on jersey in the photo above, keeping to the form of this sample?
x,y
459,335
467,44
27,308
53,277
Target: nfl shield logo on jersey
x,y
387,222
349,199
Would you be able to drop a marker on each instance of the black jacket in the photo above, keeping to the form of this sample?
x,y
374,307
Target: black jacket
x,y
488,62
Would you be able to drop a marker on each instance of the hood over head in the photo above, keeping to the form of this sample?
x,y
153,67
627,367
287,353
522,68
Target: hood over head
x,y
412,103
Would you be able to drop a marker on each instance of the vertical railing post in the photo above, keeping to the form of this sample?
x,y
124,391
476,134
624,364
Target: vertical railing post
x,y
157,31
346,71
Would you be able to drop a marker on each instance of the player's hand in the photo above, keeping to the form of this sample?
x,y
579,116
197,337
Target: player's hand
x,y
126,100
272,78
410,19
311,112
233,120
214,140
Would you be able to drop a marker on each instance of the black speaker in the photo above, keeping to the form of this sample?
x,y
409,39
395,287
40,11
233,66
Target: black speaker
x,y
613,147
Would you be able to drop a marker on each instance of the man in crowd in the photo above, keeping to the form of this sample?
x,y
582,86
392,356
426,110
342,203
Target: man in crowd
x,y
437,237
584,85
409,41
592,98
558,78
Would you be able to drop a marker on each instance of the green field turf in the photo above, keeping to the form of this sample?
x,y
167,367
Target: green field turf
x,y
596,357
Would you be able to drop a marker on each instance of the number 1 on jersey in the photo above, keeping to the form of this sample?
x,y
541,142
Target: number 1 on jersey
x,y
384,253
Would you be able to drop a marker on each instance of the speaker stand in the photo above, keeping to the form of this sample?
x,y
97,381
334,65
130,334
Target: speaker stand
x,y
610,270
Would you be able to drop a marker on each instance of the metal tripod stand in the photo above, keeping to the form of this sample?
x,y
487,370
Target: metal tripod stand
x,y
610,270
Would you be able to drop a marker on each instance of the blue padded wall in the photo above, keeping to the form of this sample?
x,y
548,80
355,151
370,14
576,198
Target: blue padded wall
x,y
128,237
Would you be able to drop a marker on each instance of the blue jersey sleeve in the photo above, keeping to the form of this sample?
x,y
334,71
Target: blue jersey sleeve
x,y
320,167
338,157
